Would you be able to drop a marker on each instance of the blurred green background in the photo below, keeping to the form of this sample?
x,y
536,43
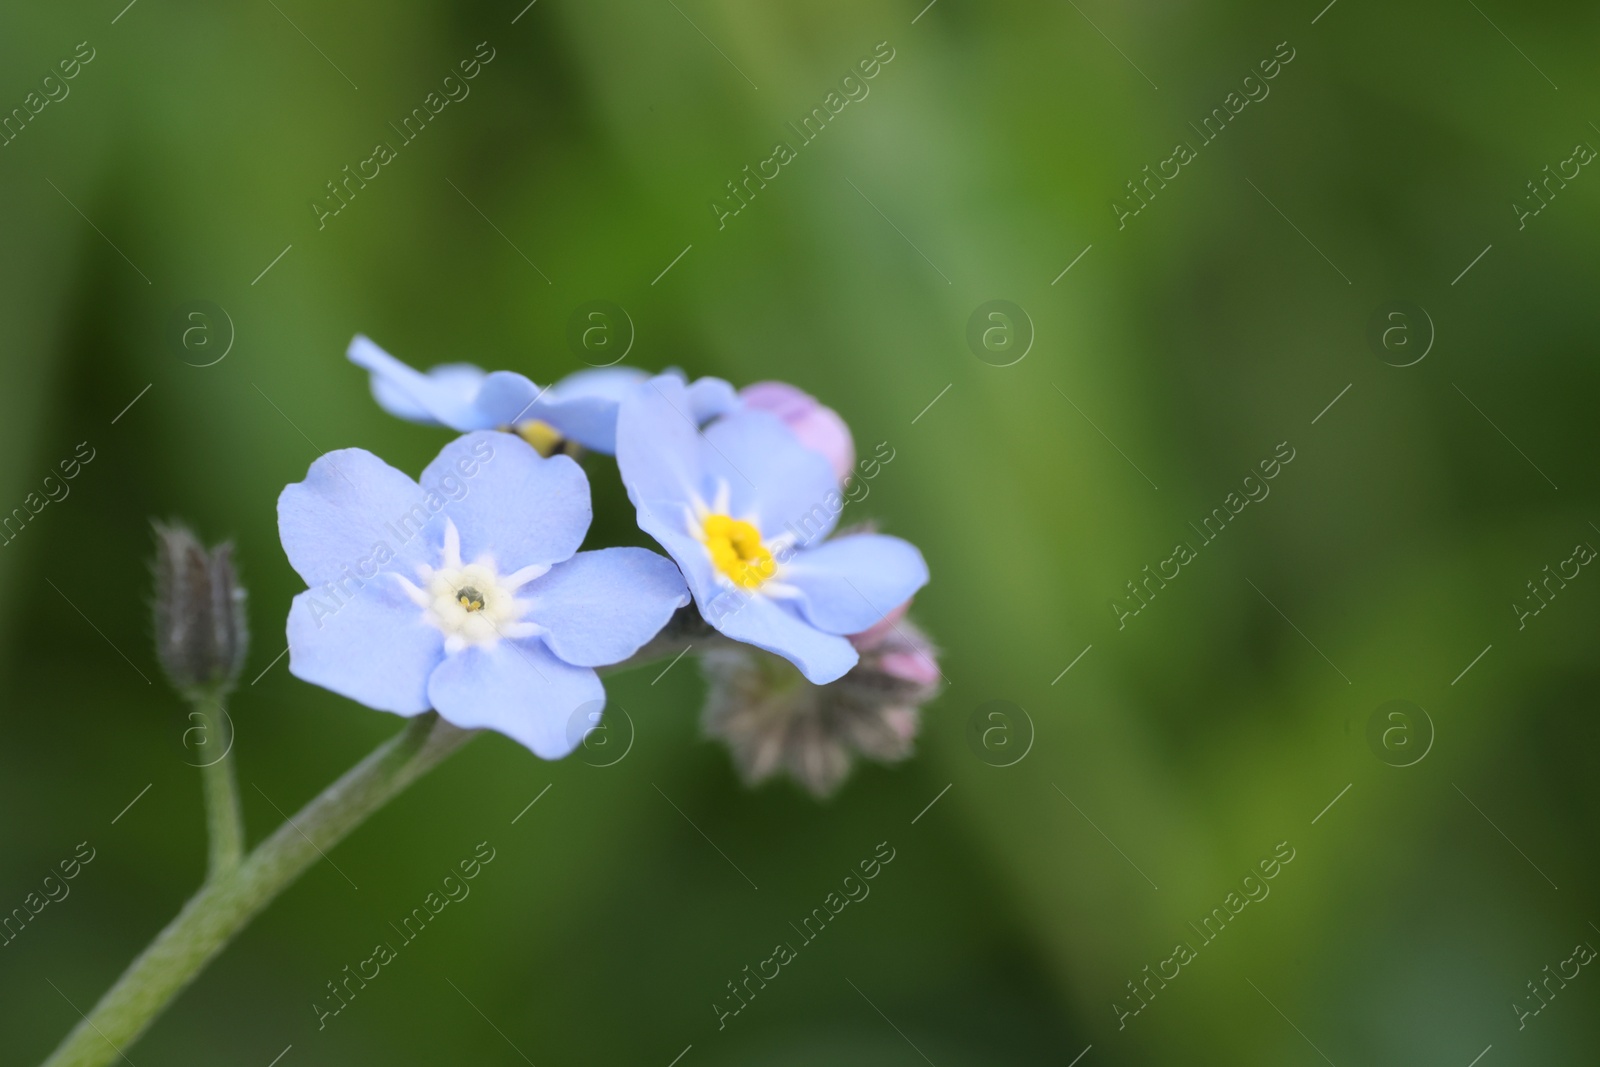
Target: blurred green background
x,y
1191,343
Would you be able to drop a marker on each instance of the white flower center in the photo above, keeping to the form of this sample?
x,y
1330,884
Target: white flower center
x,y
473,603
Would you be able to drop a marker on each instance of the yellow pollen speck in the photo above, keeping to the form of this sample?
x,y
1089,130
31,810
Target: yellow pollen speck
x,y
736,550
469,598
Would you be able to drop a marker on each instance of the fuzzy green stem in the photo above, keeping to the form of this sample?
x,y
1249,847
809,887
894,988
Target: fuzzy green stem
x,y
232,897
224,825
237,890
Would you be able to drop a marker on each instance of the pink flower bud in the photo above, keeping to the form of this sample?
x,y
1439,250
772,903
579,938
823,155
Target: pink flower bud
x,y
894,647
774,721
875,635
917,667
819,428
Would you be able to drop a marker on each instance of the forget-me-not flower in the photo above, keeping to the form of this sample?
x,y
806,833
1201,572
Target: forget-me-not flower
x,y
581,407
743,506
466,593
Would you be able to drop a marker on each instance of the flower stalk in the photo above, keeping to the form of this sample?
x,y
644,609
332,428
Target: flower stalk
x,y
233,896
235,893
224,824
202,639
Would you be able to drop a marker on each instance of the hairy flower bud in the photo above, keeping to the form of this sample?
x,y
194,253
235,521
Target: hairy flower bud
x,y
819,428
900,650
774,720
201,636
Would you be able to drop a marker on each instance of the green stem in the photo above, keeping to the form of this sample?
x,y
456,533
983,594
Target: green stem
x,y
236,889
232,897
224,824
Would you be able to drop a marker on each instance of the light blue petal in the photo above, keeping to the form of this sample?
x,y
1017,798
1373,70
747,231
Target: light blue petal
x,y
765,623
600,607
583,406
373,646
605,383
707,398
660,452
509,399
351,504
445,396
522,690
451,390
693,561
667,462
506,399
770,473
849,584
711,397
589,420
509,502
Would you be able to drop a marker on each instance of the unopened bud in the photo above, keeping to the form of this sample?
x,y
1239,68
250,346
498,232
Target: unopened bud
x,y
201,636
774,720
898,649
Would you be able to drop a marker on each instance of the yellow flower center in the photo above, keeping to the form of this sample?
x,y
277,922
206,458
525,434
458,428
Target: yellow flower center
x,y
736,550
545,439
469,598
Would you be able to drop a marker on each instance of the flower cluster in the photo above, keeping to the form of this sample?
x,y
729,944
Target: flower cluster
x,y
465,592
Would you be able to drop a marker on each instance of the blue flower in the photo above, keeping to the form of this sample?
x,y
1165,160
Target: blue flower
x,y
744,507
463,593
581,407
